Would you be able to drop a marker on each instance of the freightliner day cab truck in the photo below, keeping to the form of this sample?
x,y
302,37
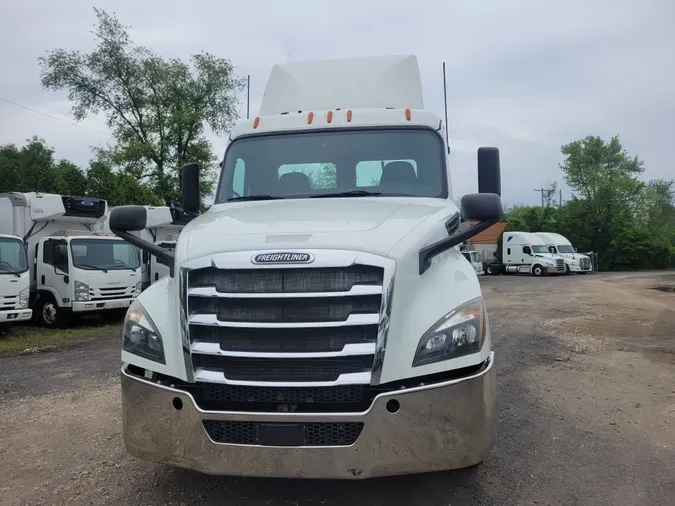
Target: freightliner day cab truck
x,y
526,253
163,226
319,320
559,245
73,270
14,282
474,258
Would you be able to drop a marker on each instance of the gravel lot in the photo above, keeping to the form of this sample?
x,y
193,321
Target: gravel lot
x,y
586,415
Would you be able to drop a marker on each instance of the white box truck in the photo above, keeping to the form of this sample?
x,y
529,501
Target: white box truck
x,y
319,320
14,282
474,258
559,245
73,270
164,224
526,253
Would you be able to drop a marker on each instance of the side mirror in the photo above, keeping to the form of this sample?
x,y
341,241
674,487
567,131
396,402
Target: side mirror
x,y
190,188
128,218
481,207
489,171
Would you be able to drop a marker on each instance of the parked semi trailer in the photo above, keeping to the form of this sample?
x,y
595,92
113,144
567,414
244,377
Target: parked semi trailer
x,y
526,253
73,270
559,245
319,320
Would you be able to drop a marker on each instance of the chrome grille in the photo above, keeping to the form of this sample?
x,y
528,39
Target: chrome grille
x,y
118,292
560,264
313,325
585,263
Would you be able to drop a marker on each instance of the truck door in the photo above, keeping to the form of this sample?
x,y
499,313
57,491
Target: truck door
x,y
52,267
527,256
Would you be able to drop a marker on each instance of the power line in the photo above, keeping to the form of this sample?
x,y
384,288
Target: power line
x,y
53,117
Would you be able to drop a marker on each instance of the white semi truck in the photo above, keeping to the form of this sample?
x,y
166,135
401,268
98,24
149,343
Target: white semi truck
x,y
559,245
163,227
526,253
474,258
319,320
73,270
14,282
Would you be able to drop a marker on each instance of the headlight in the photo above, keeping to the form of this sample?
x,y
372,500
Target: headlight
x,y
81,291
24,295
460,332
140,335
139,286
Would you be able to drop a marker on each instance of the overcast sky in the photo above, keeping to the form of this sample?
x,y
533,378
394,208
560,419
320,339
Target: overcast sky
x,y
523,75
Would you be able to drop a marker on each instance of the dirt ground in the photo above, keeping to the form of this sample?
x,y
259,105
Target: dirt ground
x,y
586,415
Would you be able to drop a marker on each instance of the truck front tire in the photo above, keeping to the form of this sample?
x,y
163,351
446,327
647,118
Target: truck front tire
x,y
537,271
49,314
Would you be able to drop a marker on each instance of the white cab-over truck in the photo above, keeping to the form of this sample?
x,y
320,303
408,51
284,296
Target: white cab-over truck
x,y
319,320
73,270
474,258
526,253
14,282
559,245
164,224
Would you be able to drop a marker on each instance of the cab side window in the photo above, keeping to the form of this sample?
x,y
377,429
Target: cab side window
x,y
527,250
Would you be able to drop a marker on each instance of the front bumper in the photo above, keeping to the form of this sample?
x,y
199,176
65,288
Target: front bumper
x,y
441,426
15,315
86,306
552,269
576,268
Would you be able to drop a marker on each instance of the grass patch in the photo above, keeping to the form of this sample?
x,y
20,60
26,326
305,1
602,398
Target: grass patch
x,y
31,339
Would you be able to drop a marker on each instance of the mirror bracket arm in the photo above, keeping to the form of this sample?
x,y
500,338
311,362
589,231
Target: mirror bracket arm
x,y
429,252
151,248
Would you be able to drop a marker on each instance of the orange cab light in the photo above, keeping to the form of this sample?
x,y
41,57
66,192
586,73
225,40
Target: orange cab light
x,y
310,118
349,115
256,122
408,114
329,116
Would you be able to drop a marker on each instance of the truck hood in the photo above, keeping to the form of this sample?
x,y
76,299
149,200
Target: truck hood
x,y
572,256
374,225
548,256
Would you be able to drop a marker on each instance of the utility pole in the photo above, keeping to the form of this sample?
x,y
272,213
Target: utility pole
x,y
542,190
560,198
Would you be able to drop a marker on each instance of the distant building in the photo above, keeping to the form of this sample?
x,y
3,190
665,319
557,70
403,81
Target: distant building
x,y
486,242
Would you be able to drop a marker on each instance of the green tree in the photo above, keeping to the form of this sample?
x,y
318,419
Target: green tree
x,y
604,179
117,187
157,109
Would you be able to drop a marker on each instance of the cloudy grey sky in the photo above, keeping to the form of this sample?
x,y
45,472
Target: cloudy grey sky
x,y
523,75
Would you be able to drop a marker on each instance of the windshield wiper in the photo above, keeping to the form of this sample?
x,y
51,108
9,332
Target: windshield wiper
x,y
351,193
254,197
7,271
92,267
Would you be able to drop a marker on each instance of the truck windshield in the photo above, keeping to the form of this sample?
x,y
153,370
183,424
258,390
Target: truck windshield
x,y
12,256
104,254
340,163
539,249
565,248
475,256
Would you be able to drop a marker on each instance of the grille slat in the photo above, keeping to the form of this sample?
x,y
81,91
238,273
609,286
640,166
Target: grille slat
x,y
284,369
287,280
286,310
284,340
313,433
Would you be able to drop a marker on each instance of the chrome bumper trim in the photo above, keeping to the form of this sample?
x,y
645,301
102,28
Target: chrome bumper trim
x,y
441,426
